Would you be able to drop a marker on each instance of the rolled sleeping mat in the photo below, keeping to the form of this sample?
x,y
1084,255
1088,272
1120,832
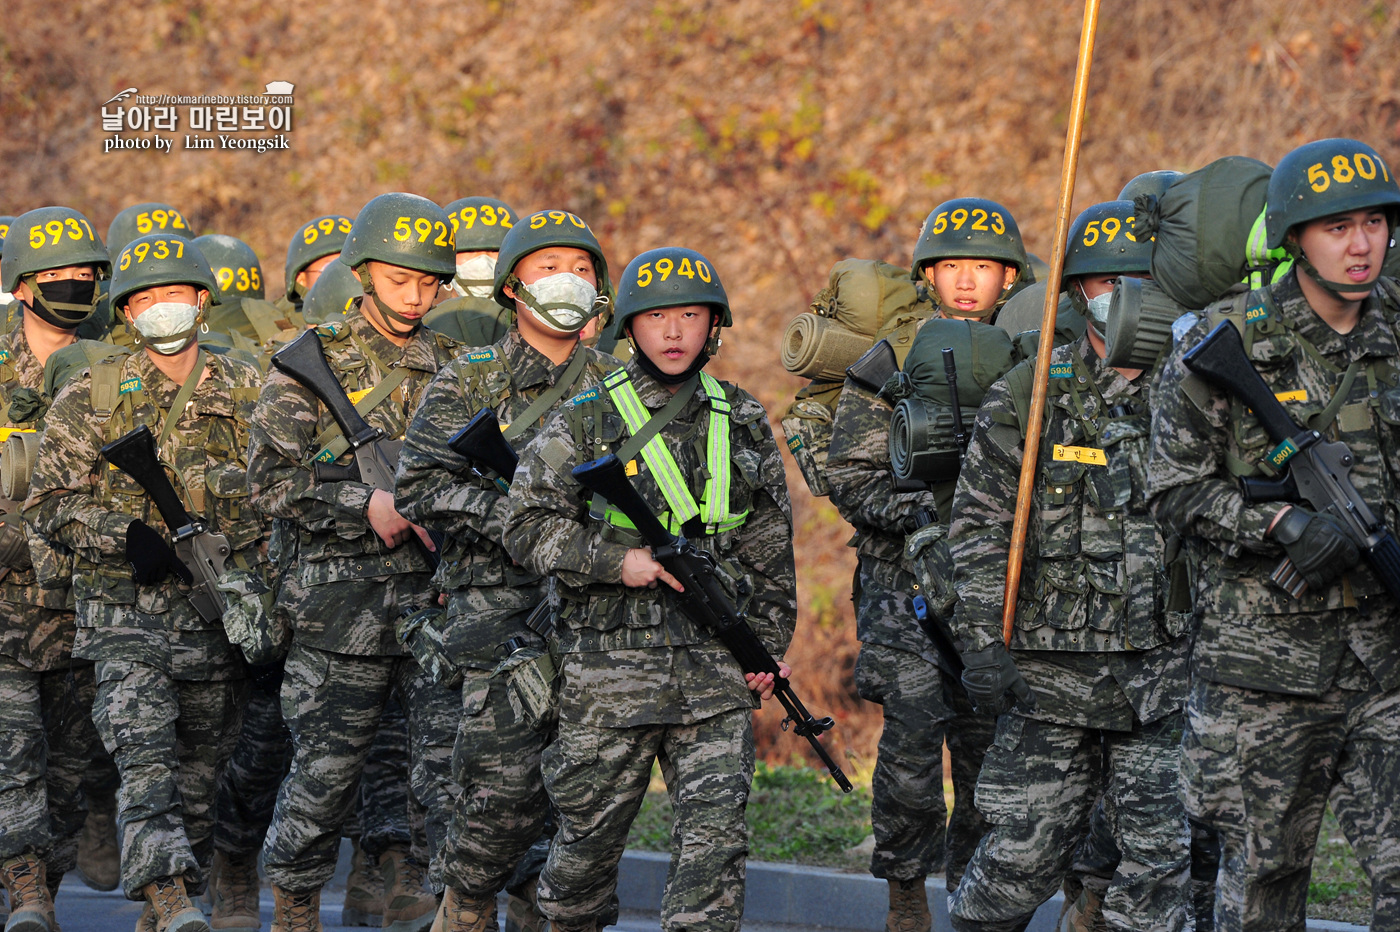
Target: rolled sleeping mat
x,y
17,455
922,442
820,348
1140,320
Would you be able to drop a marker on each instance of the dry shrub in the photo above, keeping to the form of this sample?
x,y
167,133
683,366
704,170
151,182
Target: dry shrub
x,y
777,136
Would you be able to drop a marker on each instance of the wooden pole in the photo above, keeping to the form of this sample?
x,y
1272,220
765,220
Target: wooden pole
x,y
1026,488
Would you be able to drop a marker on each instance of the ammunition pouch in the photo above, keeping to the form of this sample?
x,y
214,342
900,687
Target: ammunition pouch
x,y
250,622
532,684
423,634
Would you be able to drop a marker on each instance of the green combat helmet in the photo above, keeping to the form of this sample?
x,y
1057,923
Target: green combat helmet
x,y
235,266
480,224
53,238
332,294
405,230
315,239
161,259
1153,183
1322,178
140,219
5,222
535,232
971,228
1101,243
671,276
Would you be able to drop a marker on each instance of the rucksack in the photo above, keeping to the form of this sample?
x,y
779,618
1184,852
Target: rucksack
x,y
865,300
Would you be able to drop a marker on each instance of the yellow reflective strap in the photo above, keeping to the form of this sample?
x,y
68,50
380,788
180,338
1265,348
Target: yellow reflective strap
x,y
718,466
658,459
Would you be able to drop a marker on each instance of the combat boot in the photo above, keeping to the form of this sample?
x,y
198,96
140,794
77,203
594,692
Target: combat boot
x,y
523,912
364,891
295,912
99,856
233,891
146,922
464,914
408,906
172,907
590,925
908,907
31,907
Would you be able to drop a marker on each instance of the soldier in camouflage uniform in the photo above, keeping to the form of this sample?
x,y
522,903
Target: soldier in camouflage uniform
x,y
1103,658
898,666
1293,699
169,685
46,733
357,569
640,681
474,317
539,363
313,248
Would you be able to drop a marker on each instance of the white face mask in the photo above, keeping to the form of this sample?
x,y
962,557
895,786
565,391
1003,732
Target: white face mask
x,y
1098,310
479,275
167,327
564,301
6,297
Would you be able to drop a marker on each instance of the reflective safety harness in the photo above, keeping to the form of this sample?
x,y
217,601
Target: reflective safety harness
x,y
713,508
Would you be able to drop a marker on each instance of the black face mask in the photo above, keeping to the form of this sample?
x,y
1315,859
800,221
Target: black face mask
x,y
65,303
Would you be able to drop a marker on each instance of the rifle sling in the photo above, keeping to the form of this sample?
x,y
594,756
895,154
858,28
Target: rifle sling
x,y
332,440
182,398
548,398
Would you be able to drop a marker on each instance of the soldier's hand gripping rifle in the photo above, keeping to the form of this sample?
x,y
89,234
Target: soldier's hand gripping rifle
x,y
704,601
481,443
1318,471
304,360
202,551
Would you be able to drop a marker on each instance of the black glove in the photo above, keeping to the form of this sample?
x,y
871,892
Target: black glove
x,y
151,558
988,675
1317,544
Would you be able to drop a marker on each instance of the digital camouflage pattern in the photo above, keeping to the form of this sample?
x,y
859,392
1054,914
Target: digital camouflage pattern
x,y
1292,700
496,760
169,686
344,595
46,732
639,678
1094,641
922,705
259,761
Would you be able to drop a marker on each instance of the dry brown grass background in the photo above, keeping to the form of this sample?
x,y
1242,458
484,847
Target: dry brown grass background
x,y
777,136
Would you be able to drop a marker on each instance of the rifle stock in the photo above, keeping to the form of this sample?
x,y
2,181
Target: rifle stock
x,y
1318,471
201,550
304,359
481,443
704,600
872,370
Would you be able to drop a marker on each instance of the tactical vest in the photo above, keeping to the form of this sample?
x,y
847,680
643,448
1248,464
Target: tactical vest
x,y
1098,578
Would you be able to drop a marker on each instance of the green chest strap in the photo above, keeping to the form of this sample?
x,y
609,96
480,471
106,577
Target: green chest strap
x,y
548,398
331,444
713,508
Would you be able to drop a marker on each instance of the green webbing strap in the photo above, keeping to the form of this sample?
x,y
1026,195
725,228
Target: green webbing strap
x,y
262,316
182,398
1323,419
548,398
332,443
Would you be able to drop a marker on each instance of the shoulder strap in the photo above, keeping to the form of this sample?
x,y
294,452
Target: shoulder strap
x,y
263,317
549,397
182,397
331,442
105,387
1020,382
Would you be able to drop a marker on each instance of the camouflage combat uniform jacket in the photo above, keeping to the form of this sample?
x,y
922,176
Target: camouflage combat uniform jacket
x,y
1253,634
630,657
436,487
78,500
334,592
862,488
1092,634
37,625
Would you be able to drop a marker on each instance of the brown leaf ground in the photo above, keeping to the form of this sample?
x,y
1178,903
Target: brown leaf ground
x,y
777,136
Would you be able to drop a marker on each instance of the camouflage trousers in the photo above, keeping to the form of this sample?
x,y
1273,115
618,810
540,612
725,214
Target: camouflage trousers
x,y
46,741
921,710
333,704
597,778
386,813
248,788
170,739
1038,785
1259,767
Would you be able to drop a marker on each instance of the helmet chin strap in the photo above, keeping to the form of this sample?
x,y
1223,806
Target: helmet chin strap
x,y
61,314
389,314
1338,290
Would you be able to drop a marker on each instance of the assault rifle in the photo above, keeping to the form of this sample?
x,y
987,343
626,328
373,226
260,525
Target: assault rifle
x,y
483,446
1317,470
950,373
703,600
305,361
202,551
